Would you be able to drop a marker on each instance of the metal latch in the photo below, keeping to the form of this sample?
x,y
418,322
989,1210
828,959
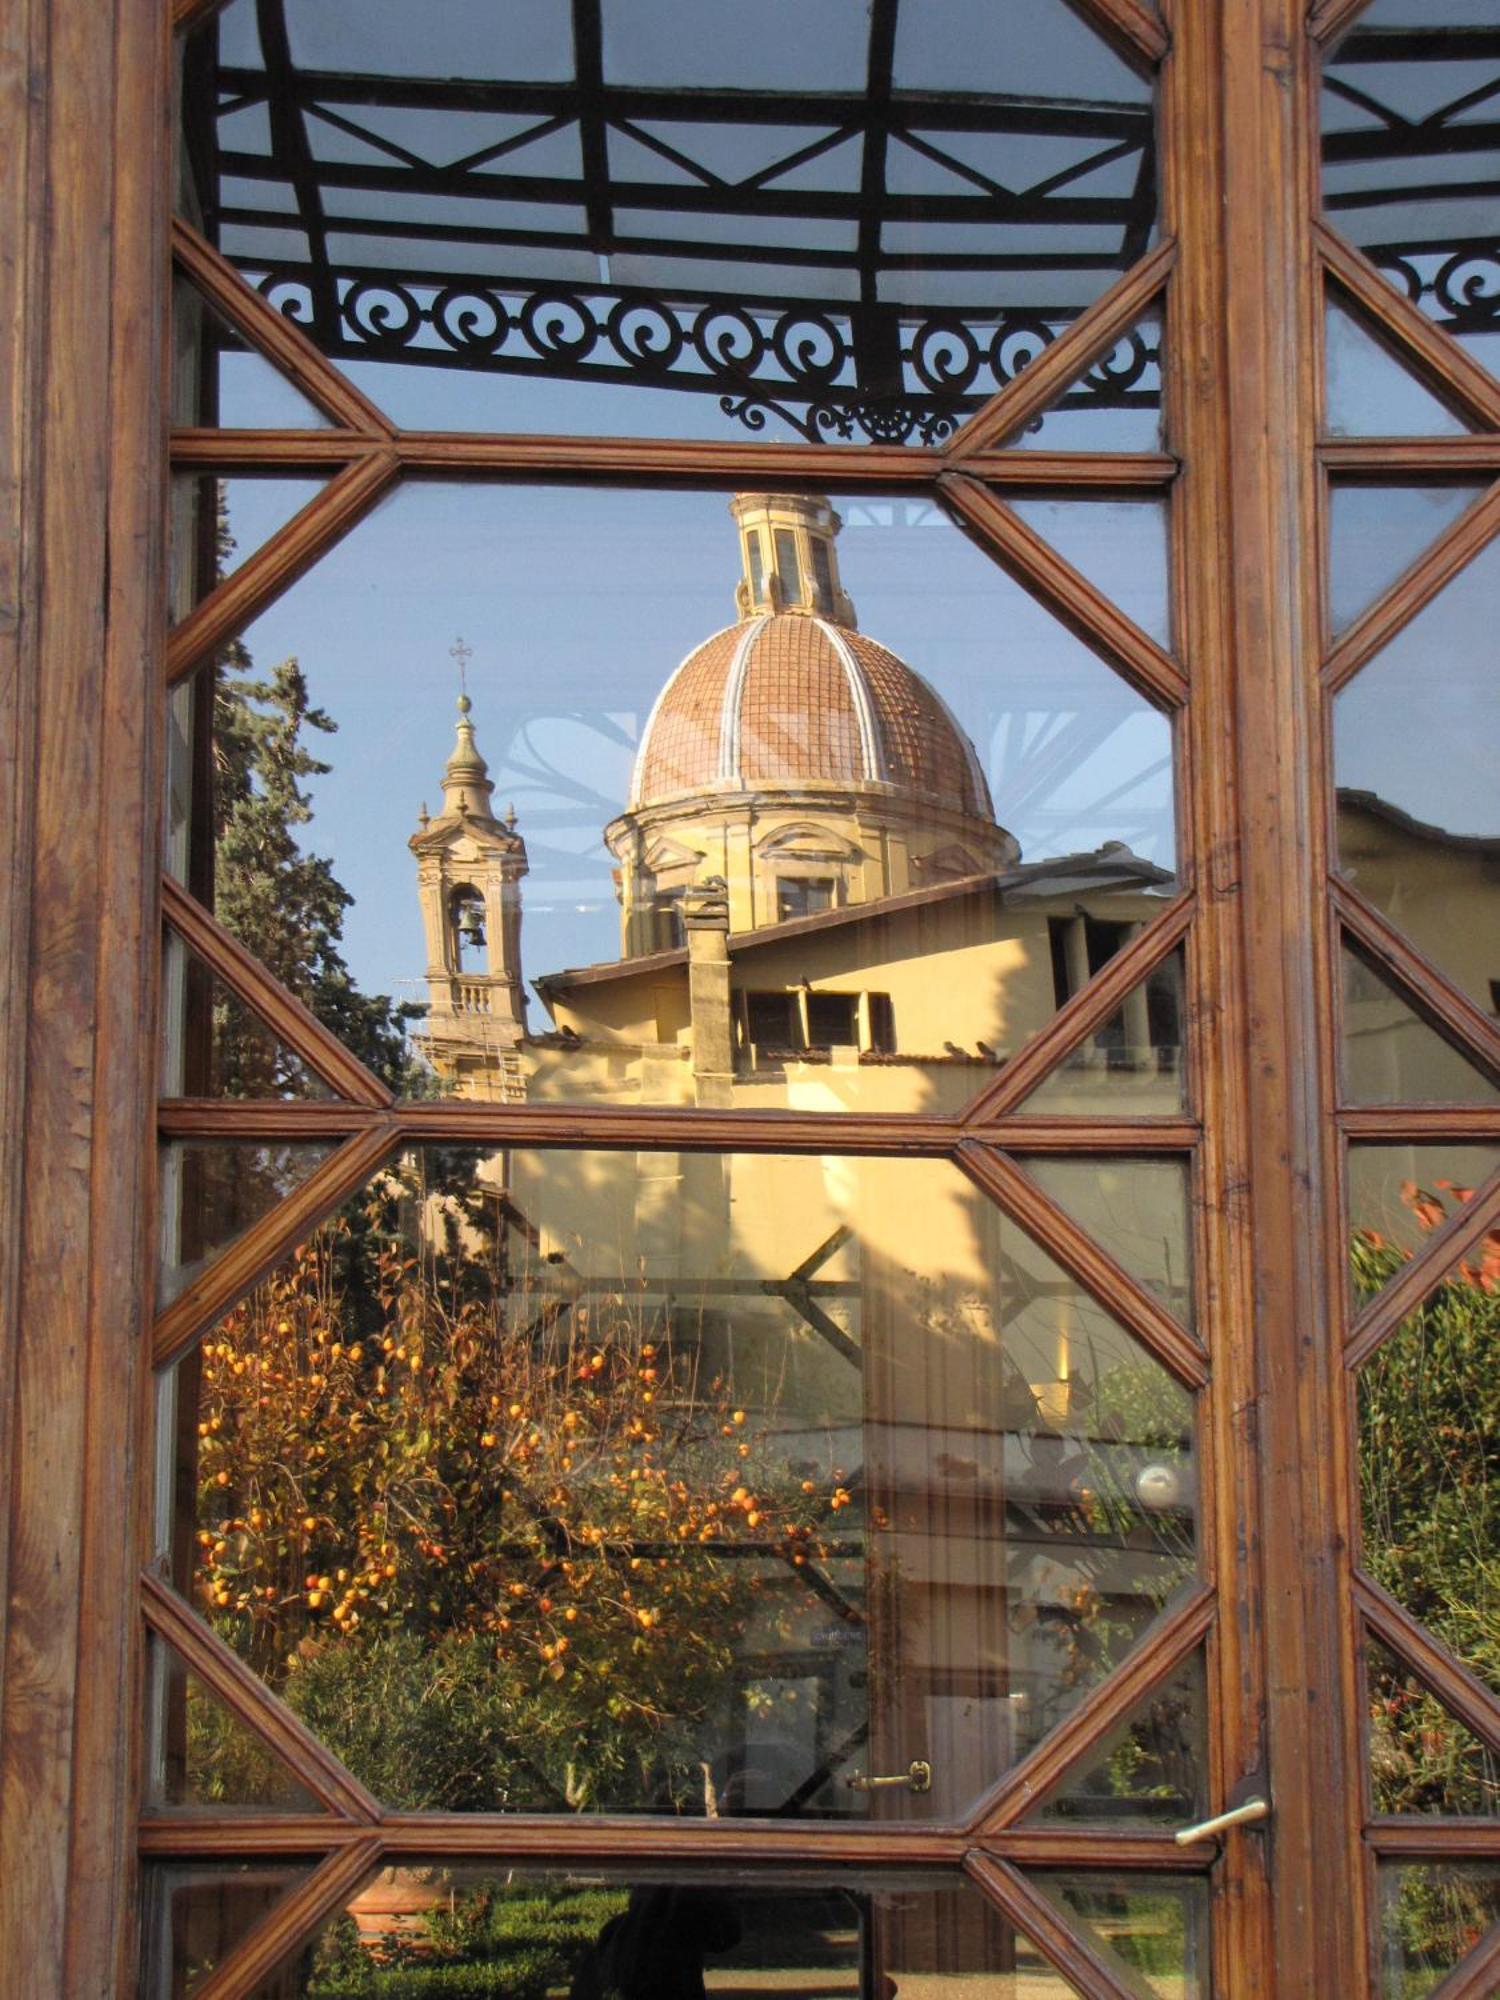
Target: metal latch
x,y
917,1777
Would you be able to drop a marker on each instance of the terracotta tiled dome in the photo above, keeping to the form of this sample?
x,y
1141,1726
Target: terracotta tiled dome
x,y
788,699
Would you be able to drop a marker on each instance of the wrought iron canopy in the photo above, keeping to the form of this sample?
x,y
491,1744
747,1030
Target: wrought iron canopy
x,y
863,228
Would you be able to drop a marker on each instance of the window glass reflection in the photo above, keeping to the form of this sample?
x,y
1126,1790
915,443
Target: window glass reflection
x,y
469,1928
1416,735
673,217
770,802
1429,1421
689,1483
1411,156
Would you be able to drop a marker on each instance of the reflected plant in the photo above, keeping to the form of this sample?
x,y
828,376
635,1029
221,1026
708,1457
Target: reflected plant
x,y
500,1544
1431,1919
1429,1404
1429,1408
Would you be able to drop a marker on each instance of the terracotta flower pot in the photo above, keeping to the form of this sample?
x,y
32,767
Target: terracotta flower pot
x,y
391,1912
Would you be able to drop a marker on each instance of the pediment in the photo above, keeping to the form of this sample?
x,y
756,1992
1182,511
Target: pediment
x,y
663,855
805,840
462,839
947,864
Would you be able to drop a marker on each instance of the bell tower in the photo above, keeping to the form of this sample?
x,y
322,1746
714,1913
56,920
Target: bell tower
x,y
469,869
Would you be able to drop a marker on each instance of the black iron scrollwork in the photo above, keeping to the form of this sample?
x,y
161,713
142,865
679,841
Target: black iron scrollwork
x,y
800,365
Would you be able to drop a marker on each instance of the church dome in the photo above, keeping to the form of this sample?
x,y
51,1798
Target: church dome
x,y
794,694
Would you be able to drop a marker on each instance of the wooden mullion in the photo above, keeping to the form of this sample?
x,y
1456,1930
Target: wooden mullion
x,y
190,14
1031,1914
596,1838
1329,18
1462,1124
287,1018
1444,1250
278,563
245,1696
631,462
1133,23
247,1260
206,1118
1450,371
1104,1708
1430,1660
1039,385
202,1836
1478,1977
1419,981
1069,595
1086,1261
1435,1839
581,1126
1078,1017
1020,1134
245,452
1410,458
276,338
293,1920
1414,589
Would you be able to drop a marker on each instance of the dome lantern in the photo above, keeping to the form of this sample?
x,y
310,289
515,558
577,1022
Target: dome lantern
x,y
788,557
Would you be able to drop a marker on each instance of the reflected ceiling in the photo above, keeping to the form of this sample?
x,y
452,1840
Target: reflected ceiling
x,y
862,231
1411,152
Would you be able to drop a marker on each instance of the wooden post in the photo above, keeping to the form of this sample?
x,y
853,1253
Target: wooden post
x,y
83,211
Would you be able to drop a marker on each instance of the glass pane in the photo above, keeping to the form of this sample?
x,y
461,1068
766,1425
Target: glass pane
x,y
213,1045
700,222
202,1755
1422,1758
691,1483
1135,1063
1392,1056
1152,1770
528,1934
195,1914
218,378
1137,1208
1397,1196
1429,1427
1120,545
1372,394
1115,404
1416,739
1411,155
1375,533
1153,1937
796,872
218,523
1432,1915
211,1192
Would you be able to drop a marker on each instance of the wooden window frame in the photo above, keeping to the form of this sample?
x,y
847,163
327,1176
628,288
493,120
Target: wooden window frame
x,y
1243,261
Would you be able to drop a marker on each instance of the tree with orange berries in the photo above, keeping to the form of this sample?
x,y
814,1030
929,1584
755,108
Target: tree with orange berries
x,y
497,1550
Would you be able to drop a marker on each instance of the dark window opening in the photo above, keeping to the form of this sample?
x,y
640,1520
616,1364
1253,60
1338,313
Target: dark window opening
x,y
882,1024
823,576
757,569
802,896
772,1021
466,933
832,1020
787,566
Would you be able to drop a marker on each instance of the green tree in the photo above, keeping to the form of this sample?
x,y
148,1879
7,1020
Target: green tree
x,y
284,904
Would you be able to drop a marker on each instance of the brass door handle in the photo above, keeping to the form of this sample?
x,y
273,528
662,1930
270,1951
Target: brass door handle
x,y
1205,1829
917,1777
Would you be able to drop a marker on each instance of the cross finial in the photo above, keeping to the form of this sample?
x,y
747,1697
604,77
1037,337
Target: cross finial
x,y
463,654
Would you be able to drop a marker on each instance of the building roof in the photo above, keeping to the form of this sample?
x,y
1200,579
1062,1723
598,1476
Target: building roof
x,y
1112,866
787,699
